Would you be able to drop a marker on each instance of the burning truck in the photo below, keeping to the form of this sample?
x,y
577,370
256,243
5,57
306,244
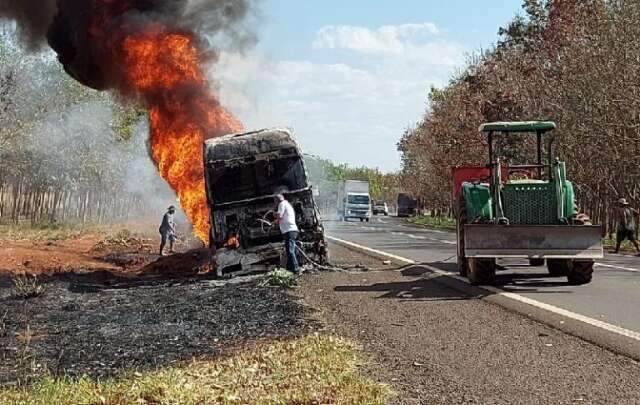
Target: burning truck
x,y
243,174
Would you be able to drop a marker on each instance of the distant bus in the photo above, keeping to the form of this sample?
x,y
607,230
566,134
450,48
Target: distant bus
x,y
407,205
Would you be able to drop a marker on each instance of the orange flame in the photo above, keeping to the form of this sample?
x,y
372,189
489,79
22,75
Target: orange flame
x,y
165,69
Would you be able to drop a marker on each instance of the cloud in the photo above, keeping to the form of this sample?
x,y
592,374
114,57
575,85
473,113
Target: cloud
x,y
347,113
387,39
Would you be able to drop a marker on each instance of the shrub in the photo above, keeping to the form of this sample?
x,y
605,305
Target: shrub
x,y
282,278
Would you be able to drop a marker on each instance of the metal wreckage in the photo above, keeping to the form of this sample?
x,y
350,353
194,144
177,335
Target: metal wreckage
x,y
244,173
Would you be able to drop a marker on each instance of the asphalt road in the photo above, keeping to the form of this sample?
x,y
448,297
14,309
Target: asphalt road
x,y
613,297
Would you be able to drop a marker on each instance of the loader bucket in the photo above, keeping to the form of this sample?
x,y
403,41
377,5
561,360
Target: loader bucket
x,y
533,241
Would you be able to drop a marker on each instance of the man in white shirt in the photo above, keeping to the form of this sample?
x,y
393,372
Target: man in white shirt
x,y
286,219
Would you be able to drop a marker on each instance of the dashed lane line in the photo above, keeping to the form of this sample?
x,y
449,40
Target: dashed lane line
x,y
611,266
516,297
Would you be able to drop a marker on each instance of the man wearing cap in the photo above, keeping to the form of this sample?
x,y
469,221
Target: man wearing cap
x,y
286,219
168,230
626,217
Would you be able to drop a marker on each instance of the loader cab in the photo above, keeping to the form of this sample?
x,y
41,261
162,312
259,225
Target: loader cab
x,y
497,131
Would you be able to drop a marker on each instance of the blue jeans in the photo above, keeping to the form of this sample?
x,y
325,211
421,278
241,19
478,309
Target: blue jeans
x,y
290,248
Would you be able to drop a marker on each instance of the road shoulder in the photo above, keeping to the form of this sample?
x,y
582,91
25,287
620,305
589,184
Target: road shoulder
x,y
611,337
435,344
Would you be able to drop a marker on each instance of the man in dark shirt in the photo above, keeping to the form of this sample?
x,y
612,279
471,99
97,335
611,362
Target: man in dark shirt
x,y
626,218
168,230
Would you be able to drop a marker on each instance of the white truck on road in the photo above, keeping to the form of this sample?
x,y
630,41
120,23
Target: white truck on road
x,y
354,200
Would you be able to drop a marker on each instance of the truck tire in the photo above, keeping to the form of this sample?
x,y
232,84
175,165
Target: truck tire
x,y
463,264
536,262
481,271
580,272
558,267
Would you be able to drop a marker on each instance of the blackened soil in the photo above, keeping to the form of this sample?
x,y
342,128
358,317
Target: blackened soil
x,y
99,325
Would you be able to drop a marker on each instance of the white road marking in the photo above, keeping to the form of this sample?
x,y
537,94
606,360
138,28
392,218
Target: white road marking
x,y
381,221
517,297
611,266
446,242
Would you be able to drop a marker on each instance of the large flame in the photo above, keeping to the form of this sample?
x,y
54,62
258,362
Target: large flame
x,y
164,67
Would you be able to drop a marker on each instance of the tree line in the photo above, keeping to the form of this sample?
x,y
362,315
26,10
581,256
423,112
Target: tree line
x,y
65,150
574,62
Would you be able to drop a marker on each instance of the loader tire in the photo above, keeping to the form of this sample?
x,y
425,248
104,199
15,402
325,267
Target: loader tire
x,y
481,271
558,267
536,262
581,272
463,264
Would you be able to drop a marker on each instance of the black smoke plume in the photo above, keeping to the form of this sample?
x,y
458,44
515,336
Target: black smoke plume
x,y
85,33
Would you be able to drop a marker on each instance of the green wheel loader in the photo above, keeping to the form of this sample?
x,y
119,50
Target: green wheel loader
x,y
522,211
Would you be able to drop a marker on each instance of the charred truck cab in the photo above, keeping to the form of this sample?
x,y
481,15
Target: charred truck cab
x,y
243,173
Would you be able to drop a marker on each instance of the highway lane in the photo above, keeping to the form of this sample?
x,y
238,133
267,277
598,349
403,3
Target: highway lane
x,y
613,296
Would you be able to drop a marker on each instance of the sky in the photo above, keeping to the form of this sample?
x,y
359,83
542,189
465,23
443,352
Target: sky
x,y
350,76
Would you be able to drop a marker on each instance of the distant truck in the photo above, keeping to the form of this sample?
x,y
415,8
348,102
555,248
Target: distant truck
x,y
407,205
354,200
243,174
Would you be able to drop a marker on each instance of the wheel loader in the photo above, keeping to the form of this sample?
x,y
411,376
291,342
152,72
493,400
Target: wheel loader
x,y
525,211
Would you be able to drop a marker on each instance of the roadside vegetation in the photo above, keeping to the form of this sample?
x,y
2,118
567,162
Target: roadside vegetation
x,y
67,153
573,62
49,231
436,222
281,278
27,286
314,369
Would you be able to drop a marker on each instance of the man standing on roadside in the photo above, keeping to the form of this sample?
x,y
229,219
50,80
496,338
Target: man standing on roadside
x,y
168,230
286,219
626,217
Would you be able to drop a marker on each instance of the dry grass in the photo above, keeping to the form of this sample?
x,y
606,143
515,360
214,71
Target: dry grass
x,y
434,222
48,231
26,286
312,370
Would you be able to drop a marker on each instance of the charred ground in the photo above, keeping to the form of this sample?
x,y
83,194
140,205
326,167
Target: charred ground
x,y
124,308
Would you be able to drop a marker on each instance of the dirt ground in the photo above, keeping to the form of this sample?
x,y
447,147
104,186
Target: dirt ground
x,y
122,253
112,305
436,345
38,257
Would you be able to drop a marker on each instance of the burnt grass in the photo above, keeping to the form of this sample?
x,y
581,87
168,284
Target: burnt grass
x,y
99,326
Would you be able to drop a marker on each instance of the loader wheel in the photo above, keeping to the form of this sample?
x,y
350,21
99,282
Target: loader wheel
x,y
536,262
463,264
481,271
580,272
558,267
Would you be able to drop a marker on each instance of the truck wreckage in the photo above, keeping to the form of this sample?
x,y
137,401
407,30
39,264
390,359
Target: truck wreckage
x,y
243,174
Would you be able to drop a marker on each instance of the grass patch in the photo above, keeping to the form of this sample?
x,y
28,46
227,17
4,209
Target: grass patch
x,y
47,231
434,222
281,278
26,286
312,370
610,244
